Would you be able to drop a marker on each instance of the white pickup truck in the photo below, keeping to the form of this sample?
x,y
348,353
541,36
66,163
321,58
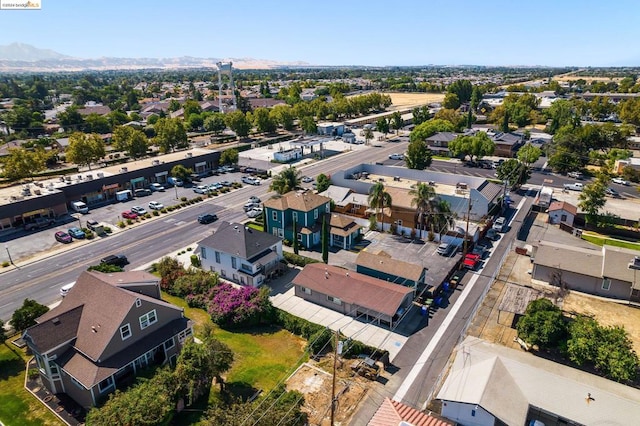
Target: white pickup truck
x,y
576,186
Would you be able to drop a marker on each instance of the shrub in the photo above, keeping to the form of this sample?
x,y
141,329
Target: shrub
x,y
129,221
239,307
164,210
183,199
156,213
89,235
286,242
195,261
189,249
195,282
5,263
107,229
33,374
321,341
121,224
298,260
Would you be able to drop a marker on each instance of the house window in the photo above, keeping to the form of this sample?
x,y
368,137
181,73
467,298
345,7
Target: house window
x,y
473,413
173,360
169,344
398,222
183,335
203,252
274,215
328,207
138,303
305,290
299,237
217,257
53,367
335,300
563,218
281,233
125,331
106,384
295,216
148,319
234,264
315,213
606,284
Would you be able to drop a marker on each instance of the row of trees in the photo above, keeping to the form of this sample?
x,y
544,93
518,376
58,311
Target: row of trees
x,y
582,340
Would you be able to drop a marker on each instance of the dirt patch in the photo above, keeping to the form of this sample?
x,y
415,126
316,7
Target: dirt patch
x,y
412,100
315,383
588,79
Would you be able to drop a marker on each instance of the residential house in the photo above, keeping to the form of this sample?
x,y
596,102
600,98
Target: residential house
x,y
307,210
562,212
489,384
392,412
382,266
346,201
607,271
439,142
343,231
353,294
107,329
93,108
241,254
507,144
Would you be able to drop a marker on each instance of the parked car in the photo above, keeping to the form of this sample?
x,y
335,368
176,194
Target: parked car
x,y
396,157
200,189
250,205
214,186
471,261
142,192
620,181
498,225
254,199
38,223
115,259
139,210
225,183
76,233
156,205
175,181
254,212
156,187
65,289
92,224
229,168
446,249
493,235
612,193
251,180
128,214
63,237
207,218
307,179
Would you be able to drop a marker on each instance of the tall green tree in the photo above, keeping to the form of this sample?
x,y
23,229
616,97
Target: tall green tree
x,y
263,121
475,146
238,122
368,135
396,121
23,163
3,332
593,198
443,219
287,180
170,134
323,182
382,125
429,128
229,156
542,325
85,149
133,142
514,172
283,115
25,316
463,89
181,172
308,124
418,156
451,101
529,154
325,240
379,199
215,123
296,244
423,198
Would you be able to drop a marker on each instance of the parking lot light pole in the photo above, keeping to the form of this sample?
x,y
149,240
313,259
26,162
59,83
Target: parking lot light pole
x,y
176,187
9,254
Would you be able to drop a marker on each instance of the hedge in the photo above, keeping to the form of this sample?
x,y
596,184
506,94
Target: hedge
x,y
296,259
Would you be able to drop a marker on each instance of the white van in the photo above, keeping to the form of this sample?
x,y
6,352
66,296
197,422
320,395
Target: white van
x,y
65,289
80,207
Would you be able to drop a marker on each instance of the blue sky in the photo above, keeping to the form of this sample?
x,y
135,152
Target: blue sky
x,y
410,32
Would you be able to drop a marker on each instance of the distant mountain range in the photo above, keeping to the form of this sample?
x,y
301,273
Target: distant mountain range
x,y
20,57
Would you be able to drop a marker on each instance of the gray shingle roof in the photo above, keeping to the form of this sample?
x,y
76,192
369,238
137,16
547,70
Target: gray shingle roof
x,y
238,240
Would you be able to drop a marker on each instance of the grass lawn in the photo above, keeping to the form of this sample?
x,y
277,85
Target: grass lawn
x,y
17,406
601,240
263,356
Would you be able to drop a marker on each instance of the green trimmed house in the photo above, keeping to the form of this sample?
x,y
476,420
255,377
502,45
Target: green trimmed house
x,y
308,209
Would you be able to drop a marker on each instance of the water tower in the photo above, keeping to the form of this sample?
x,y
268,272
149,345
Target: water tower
x,y
226,68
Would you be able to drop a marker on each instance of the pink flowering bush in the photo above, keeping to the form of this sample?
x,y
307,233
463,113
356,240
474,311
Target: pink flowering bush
x,y
238,307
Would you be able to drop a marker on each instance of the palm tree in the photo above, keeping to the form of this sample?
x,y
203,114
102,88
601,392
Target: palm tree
x,y
424,197
379,199
444,219
285,181
368,135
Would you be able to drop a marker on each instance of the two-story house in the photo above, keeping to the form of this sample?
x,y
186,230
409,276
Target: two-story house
x,y
106,330
308,210
241,254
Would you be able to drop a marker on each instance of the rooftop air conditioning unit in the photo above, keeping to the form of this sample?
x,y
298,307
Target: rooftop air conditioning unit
x,y
89,176
155,162
124,170
100,175
189,155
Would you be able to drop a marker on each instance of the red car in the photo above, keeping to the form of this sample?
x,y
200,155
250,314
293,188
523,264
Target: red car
x,y
129,215
471,261
63,237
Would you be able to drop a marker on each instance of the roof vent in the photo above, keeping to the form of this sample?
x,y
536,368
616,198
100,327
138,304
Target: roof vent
x,y
93,328
56,321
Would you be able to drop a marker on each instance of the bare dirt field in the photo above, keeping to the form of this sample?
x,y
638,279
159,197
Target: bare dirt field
x,y
412,100
314,382
587,78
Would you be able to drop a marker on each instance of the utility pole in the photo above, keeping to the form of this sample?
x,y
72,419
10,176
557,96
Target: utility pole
x,y
333,382
466,232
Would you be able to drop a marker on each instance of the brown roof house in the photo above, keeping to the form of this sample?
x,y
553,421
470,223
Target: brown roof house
x,y
381,265
562,212
392,412
352,293
107,329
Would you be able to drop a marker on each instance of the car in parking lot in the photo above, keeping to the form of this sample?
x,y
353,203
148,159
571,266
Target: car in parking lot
x,y
254,199
620,181
492,235
307,179
498,225
142,192
207,218
63,237
254,212
201,189
139,210
612,193
251,180
225,183
446,249
396,157
92,224
156,205
471,261
128,214
156,187
214,186
250,205
115,259
76,233
38,223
